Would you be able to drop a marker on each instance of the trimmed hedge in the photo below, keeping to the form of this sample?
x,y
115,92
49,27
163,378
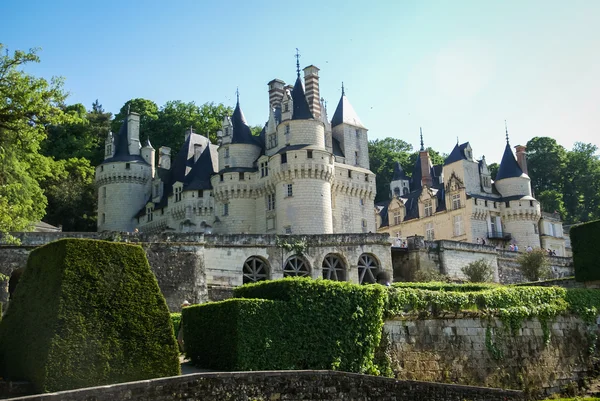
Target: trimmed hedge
x,y
176,322
298,323
87,313
585,240
440,286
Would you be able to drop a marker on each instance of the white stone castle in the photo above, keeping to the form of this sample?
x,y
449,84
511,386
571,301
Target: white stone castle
x,y
302,175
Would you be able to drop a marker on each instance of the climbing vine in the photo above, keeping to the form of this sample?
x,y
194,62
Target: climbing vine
x,y
297,247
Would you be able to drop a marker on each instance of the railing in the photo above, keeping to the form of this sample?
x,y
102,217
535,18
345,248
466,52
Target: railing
x,y
499,235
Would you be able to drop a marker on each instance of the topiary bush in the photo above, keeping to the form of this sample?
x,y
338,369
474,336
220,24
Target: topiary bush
x,y
585,241
176,322
534,265
294,323
479,271
87,313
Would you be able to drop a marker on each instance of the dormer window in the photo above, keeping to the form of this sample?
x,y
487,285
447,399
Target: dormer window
x,y
149,215
428,205
456,201
178,193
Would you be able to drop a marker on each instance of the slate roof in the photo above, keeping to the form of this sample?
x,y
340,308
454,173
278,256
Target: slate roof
x,y
345,114
508,166
301,110
399,173
458,153
241,130
121,146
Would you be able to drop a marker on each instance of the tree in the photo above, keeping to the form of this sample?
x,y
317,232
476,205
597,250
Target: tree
x,y
74,139
479,271
552,201
493,168
175,117
534,265
100,121
546,162
582,183
383,155
435,156
27,105
148,111
256,130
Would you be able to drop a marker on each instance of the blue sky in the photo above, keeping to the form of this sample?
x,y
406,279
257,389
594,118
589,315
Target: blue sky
x,y
456,68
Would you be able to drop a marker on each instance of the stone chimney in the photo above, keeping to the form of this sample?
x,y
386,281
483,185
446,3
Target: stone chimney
x,y
276,92
522,157
197,151
133,133
311,90
426,178
164,157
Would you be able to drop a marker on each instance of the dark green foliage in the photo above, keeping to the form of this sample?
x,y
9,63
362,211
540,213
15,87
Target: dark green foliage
x,y
176,322
585,239
479,271
534,265
297,324
441,286
87,313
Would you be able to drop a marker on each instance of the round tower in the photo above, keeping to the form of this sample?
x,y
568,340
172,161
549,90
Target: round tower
x,y
123,180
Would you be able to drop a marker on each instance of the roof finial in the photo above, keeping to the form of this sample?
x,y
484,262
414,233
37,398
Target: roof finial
x,y
298,62
237,93
457,139
506,130
343,90
422,145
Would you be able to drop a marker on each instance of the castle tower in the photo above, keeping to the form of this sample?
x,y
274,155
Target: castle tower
x,y
233,186
520,211
123,179
351,133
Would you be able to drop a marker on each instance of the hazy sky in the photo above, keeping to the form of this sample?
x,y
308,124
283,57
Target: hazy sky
x,y
455,68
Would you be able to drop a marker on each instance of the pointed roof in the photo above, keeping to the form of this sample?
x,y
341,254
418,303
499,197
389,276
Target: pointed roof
x,y
508,166
148,144
458,153
121,144
345,114
241,130
301,110
398,173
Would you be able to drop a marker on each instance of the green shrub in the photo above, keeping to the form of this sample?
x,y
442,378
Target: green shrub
x,y
585,240
294,324
87,313
176,321
479,271
534,265
440,286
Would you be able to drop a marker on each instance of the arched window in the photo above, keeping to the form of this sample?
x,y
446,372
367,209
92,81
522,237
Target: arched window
x,y
334,268
367,269
255,269
296,266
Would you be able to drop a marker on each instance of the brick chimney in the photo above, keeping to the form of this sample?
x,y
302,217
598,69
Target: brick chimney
x,y
276,93
311,90
426,178
522,157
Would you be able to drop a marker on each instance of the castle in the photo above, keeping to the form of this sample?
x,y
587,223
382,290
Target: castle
x,y
459,201
302,175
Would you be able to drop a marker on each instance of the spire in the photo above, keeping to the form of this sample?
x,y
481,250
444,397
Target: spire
x,y
241,130
508,166
301,111
237,95
506,130
344,113
422,145
343,91
298,62
398,173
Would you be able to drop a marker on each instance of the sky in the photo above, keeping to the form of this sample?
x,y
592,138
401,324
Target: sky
x,y
458,68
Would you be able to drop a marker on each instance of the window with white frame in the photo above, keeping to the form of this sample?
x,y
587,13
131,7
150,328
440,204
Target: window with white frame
x,y
271,202
290,190
178,193
429,234
225,209
397,217
288,229
458,225
149,216
428,208
456,201
264,169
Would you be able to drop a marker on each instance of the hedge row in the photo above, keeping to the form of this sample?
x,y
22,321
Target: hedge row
x,y
585,240
440,286
87,313
296,324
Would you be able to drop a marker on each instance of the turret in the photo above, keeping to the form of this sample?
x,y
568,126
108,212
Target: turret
x,y
149,154
133,133
351,133
399,185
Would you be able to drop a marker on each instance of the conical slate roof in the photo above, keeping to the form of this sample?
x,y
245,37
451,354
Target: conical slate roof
x,y
301,110
398,173
121,144
458,153
508,166
241,130
345,114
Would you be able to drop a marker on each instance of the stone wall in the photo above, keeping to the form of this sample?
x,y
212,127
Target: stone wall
x,y
509,273
199,268
481,352
282,385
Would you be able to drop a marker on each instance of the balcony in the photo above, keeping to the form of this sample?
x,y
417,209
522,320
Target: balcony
x,y
501,235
